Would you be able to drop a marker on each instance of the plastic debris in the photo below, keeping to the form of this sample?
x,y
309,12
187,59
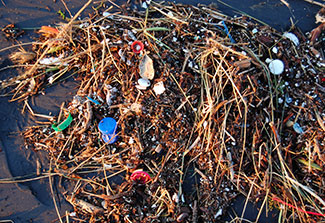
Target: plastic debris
x,y
144,82
275,50
159,88
227,31
50,60
146,68
297,128
292,37
137,47
63,125
140,176
93,100
108,126
276,67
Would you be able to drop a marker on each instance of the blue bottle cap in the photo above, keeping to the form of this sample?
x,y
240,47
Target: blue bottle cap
x,y
107,126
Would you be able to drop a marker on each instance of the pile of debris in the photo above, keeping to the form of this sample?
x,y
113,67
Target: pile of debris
x,y
179,110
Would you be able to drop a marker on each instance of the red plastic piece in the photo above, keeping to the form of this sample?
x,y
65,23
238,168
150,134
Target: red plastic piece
x,y
137,47
140,176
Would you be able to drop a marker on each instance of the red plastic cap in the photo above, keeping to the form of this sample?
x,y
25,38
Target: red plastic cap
x,y
140,176
137,47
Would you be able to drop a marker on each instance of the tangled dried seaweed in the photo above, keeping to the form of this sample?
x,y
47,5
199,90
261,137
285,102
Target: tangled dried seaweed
x,y
224,124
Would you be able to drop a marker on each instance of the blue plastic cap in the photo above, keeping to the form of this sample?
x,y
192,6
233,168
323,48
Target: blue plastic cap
x,y
107,126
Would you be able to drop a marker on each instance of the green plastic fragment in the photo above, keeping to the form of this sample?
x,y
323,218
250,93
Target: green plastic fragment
x,y
63,124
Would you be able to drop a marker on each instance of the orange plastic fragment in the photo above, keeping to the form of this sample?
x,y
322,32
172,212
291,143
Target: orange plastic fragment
x,y
47,30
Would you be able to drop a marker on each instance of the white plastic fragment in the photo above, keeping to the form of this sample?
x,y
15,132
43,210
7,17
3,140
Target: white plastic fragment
x,y
121,54
144,82
107,14
275,50
254,31
131,35
144,5
268,60
175,198
146,68
159,88
292,37
276,67
50,60
73,214
170,14
219,213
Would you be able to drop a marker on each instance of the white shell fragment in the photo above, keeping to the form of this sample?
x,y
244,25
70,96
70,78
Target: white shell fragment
x,y
159,88
292,37
146,68
254,31
276,67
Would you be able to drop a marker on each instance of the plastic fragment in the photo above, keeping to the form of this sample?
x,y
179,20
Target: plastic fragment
x,y
137,47
140,176
159,88
276,67
292,37
144,82
63,124
228,33
93,100
254,31
297,128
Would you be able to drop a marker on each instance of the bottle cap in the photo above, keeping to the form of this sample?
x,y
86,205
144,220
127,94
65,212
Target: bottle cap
x,y
107,126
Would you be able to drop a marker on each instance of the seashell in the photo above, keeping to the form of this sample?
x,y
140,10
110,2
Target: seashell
x,y
146,68
276,67
292,37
